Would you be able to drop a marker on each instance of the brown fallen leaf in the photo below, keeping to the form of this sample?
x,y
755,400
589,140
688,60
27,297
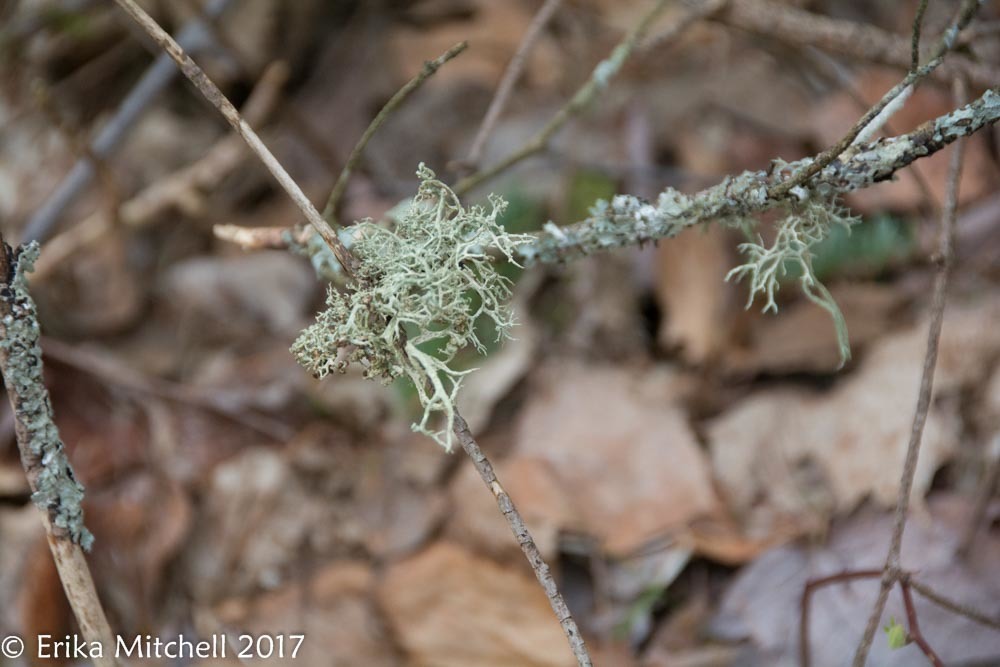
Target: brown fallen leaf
x,y
622,448
450,608
801,338
786,453
332,608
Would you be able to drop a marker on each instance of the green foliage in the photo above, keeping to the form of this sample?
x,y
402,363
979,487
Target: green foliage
x,y
416,298
805,225
896,634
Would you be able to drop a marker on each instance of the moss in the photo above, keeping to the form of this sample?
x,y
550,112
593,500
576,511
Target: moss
x,y
415,299
57,490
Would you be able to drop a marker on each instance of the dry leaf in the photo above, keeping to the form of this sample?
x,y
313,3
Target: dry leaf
x,y
332,608
623,449
784,452
450,608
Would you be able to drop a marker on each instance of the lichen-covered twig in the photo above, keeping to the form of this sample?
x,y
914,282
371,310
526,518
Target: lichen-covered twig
x,y
428,70
630,221
55,489
214,96
524,540
877,112
510,76
597,82
946,254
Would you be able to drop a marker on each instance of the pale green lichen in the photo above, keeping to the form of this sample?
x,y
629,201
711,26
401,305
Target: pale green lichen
x,y
57,490
419,286
805,225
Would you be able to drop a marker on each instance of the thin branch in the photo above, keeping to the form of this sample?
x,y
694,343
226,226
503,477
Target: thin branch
x,y
856,40
182,190
946,253
805,605
193,37
983,496
212,93
918,23
54,487
944,45
913,629
509,79
954,607
597,82
429,68
524,539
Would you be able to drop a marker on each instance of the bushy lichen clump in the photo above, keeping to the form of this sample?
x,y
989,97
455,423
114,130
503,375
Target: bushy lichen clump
x,y
419,286
57,490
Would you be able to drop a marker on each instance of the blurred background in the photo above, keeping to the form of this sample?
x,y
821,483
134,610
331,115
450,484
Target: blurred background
x,y
686,464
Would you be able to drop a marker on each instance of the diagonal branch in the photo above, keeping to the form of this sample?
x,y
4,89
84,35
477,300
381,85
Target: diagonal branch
x,y
509,79
524,540
212,93
598,81
429,68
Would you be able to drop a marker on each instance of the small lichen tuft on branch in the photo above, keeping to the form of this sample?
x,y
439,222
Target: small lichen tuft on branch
x,y
417,293
54,486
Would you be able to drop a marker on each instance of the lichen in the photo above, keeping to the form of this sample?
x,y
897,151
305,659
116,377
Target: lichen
x,y
56,489
414,292
803,227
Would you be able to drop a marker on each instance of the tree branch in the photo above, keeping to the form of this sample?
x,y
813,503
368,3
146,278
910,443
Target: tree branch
x,y
946,254
55,489
629,220
524,540
212,93
508,80
429,68
597,82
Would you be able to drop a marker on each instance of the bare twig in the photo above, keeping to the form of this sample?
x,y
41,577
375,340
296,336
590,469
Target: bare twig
x,y
508,80
54,487
946,253
918,23
869,43
183,190
952,606
193,37
805,605
984,494
212,93
597,82
429,68
524,539
913,626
